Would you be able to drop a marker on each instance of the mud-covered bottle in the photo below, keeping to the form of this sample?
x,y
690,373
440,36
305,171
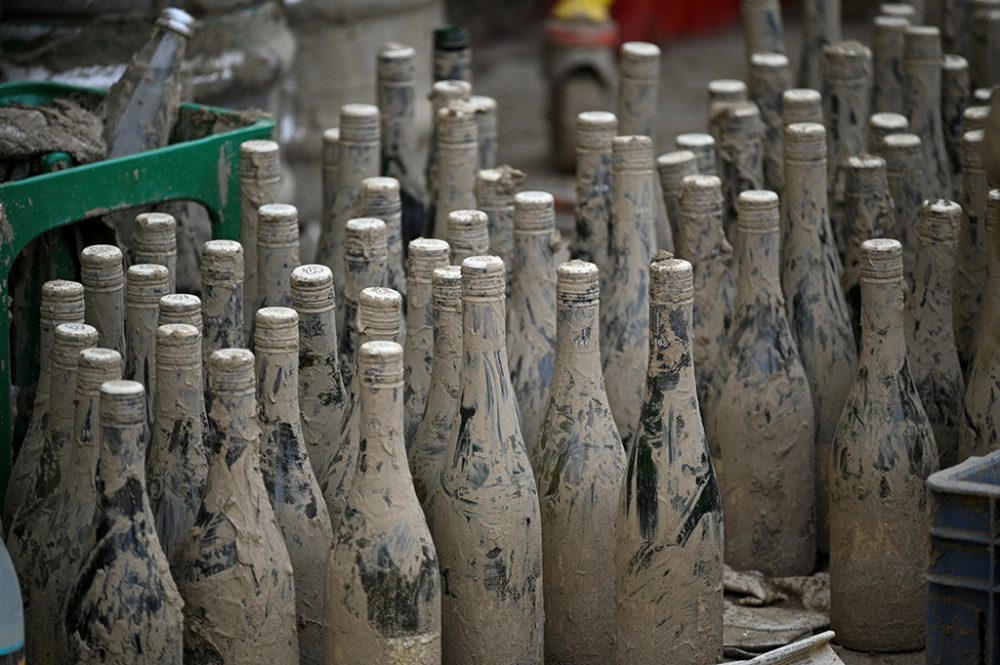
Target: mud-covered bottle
x,y
922,104
770,76
722,92
882,454
763,31
669,515
383,587
429,444
579,462
703,147
495,190
443,93
485,517
222,296
741,154
810,281
178,460
329,167
930,335
237,608
801,105
397,102
973,247
298,504
487,142
979,430
595,131
425,256
155,241
881,125
64,547
380,199
277,253
456,156
672,168
956,93
887,63
452,54
124,608
909,187
260,179
145,285
181,308
468,234
975,117
985,51
531,311
102,273
702,242
761,424
820,26
322,396
62,301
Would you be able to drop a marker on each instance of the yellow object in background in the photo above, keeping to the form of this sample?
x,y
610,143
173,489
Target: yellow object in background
x,y
591,10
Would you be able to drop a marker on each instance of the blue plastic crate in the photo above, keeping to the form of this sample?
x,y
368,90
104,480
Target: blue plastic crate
x,y
963,577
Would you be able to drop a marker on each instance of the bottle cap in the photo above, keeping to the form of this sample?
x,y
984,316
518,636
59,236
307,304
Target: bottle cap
x,y
578,283
939,221
445,92
534,211
639,60
146,284
178,345
260,160
62,302
952,62
801,105
177,20
450,38
69,340
456,123
221,261
446,289
231,370
632,153
95,366
890,33
769,71
982,95
922,44
972,152
331,148
396,63
866,174
485,109
483,278
883,124
379,313
975,117
671,281
380,363
312,288
726,90
468,230
897,9
101,267
359,123
899,148
365,239
495,188
380,198
701,194
674,166
155,232
848,61
805,141
881,260
702,145
426,255
277,225
759,211
180,308
595,129
123,403
276,329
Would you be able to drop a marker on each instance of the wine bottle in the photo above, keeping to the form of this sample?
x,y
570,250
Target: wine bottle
x,y
103,277
383,587
956,25
956,93
970,273
770,76
145,285
703,147
124,608
672,168
180,308
922,105
721,92
741,154
909,187
985,47
881,125
882,454
277,253
761,424
578,461
329,168
592,214
260,178
222,296
452,54
887,63
380,199
468,234
975,117
639,74
443,93
801,105
495,190
155,241
670,508
763,31
485,109
820,27
456,156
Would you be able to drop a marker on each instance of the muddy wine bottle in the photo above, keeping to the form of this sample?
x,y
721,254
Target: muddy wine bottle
x,y
725,91
702,241
145,285
956,25
741,154
178,461
430,441
236,609
801,105
770,76
426,255
810,281
887,63
672,168
443,93
592,214
452,54
358,151
869,212
985,51
970,273
846,108
33,519
380,199
763,31
485,109
277,253
761,424
669,515
703,147
979,431
930,336
397,101
457,152
61,302
468,234
956,93
222,296
531,312
181,308
383,588
485,516
298,504
820,27
906,10
155,241
579,463
909,187
881,125
260,178
625,309
103,277
64,547
922,104
882,454
982,95
975,117
124,608
322,396
329,167
495,190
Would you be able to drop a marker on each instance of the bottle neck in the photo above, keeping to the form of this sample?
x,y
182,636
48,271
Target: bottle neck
x,y
317,336
883,345
418,306
447,360
578,339
483,332
671,365
222,314
121,484
234,438
760,272
382,461
46,338
357,161
278,384
179,391
86,451
933,279
62,391
535,271
703,235
632,207
398,115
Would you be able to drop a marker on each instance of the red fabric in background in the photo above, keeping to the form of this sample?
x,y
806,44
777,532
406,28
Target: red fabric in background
x,y
656,20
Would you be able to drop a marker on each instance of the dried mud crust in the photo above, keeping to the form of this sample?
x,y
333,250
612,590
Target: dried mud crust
x,y
63,125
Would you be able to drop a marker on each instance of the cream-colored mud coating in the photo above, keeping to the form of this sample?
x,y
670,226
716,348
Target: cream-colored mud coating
x,y
155,241
380,198
922,104
222,297
103,276
260,178
909,188
145,285
887,63
820,26
973,247
277,254
762,28
703,146
468,234
455,174
801,105
770,76
495,189
592,213
881,125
